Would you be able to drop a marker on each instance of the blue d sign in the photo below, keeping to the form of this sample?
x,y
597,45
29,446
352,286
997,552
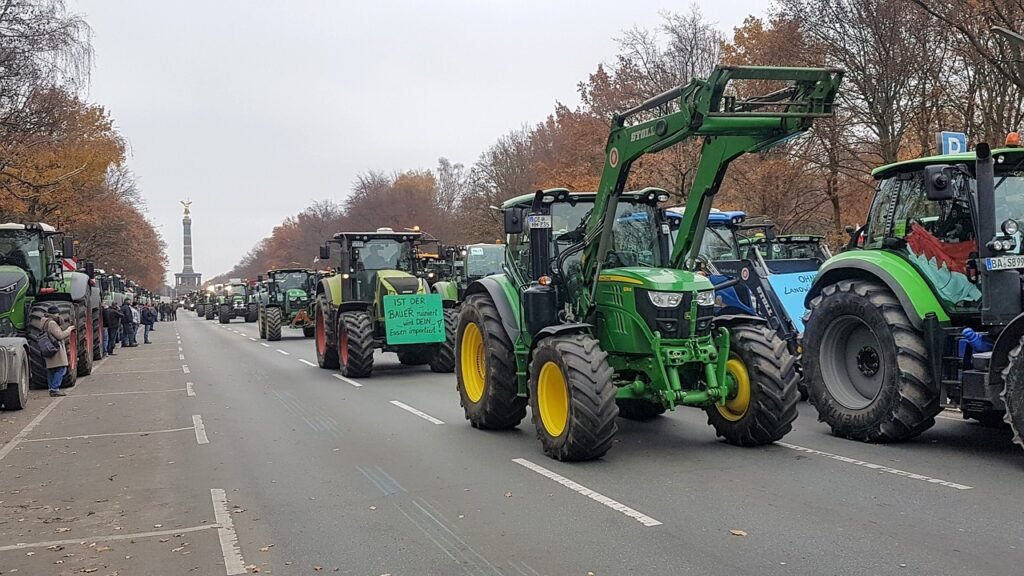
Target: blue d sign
x,y
952,142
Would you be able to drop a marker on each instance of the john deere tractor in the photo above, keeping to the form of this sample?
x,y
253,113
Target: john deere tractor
x,y
596,317
213,296
237,300
465,265
375,300
31,280
924,310
284,300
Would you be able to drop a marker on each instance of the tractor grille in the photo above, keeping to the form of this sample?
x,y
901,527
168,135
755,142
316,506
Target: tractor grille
x,y
403,284
10,285
673,322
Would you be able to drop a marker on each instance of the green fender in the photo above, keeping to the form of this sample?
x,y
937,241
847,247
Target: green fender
x,y
448,290
506,299
891,269
331,287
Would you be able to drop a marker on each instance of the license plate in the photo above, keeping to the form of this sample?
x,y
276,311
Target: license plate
x,y
538,221
1004,262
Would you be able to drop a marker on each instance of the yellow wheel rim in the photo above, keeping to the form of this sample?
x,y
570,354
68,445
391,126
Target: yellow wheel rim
x,y
473,365
736,406
552,399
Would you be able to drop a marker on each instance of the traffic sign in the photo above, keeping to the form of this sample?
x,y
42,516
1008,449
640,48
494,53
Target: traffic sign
x,y
952,142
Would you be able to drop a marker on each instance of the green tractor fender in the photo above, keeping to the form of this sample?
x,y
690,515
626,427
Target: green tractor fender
x,y
506,300
449,292
330,287
913,292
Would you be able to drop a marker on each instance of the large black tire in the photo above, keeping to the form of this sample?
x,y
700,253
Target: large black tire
x,y
97,334
572,397
639,409
83,331
444,360
486,367
67,315
865,365
209,311
37,364
224,314
764,406
355,344
273,324
1013,393
252,313
15,396
415,355
308,331
326,340
261,325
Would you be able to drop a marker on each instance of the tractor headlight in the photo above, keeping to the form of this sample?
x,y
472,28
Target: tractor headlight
x,y
706,298
665,299
1010,227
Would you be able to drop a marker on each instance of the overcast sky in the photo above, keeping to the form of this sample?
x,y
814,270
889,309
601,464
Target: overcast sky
x,y
253,110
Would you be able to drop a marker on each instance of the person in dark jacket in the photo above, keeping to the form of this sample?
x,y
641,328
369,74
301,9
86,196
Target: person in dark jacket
x,y
111,322
126,323
148,318
56,365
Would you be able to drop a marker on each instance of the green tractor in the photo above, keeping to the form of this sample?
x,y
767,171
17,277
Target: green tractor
x,y
924,310
237,300
465,265
375,300
284,300
32,278
213,296
595,317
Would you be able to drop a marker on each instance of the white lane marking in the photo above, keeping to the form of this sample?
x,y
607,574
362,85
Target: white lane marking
x,y
104,435
197,423
233,562
137,372
264,344
878,467
111,538
251,338
20,437
347,380
129,392
190,389
283,352
181,356
184,368
180,349
419,413
595,496
307,362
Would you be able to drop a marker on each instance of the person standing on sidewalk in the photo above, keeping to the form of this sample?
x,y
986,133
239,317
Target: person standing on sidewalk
x,y
111,320
136,320
126,323
56,365
148,317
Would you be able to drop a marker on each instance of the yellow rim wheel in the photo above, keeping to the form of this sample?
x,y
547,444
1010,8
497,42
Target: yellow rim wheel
x,y
552,399
736,406
473,363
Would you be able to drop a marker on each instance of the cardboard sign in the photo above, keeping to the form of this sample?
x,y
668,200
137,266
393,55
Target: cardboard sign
x,y
413,319
791,289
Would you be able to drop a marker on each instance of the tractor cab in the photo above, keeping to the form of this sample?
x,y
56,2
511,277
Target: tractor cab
x,y
373,264
465,265
780,247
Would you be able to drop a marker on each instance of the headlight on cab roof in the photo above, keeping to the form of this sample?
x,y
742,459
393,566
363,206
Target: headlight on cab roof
x,y
706,298
665,299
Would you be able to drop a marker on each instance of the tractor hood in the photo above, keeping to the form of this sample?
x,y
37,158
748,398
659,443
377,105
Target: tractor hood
x,y
296,294
658,279
13,283
398,282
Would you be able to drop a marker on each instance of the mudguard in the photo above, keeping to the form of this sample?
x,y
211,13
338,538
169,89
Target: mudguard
x,y
506,299
910,288
12,359
331,288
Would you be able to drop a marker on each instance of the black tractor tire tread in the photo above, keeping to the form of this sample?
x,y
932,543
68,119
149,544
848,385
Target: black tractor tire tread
x,y
252,313
359,327
224,314
15,396
329,360
590,431
444,361
308,331
67,314
97,334
84,336
1013,393
773,396
273,324
912,407
501,407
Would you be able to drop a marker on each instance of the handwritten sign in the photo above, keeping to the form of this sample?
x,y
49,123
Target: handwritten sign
x,y
413,319
791,289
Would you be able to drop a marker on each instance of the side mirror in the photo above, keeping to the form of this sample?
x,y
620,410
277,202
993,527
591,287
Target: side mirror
x,y
90,269
513,221
259,277
69,247
325,252
938,182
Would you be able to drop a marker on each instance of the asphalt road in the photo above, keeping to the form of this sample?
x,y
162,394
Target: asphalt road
x,y
224,454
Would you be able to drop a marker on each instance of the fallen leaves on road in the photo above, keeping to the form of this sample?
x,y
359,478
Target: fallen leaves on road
x,y
55,547
158,525
508,494
30,553
89,570
317,568
65,529
737,532
104,549
266,548
373,507
252,569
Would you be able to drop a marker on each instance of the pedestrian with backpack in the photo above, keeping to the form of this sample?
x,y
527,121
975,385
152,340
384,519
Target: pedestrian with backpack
x,y
53,350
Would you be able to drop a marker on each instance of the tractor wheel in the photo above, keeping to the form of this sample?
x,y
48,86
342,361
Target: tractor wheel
x,y
252,313
572,397
16,394
224,314
639,409
764,406
209,311
83,332
866,366
1013,393
308,331
67,315
199,310
97,334
273,327
355,344
261,325
444,360
326,352
37,364
416,355
486,367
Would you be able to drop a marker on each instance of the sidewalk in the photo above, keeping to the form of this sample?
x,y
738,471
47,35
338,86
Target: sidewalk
x,y
104,480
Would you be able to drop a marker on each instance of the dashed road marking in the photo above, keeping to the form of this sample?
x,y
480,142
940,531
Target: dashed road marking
x,y
417,412
20,437
190,389
595,496
264,344
129,392
347,380
283,352
251,338
233,562
197,422
307,362
184,368
878,467
181,356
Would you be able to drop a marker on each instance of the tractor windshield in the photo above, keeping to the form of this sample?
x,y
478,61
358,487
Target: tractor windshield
x,y
384,254
719,243
484,260
291,281
1009,196
23,248
236,290
795,249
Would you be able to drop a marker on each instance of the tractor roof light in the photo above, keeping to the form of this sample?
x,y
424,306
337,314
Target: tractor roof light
x,y
1013,140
